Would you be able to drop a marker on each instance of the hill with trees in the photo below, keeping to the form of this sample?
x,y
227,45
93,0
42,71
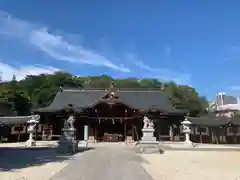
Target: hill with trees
x,y
38,91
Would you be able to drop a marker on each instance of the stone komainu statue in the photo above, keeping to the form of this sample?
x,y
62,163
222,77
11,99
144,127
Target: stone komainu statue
x,y
70,121
147,122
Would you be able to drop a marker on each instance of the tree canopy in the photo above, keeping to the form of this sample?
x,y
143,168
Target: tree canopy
x,y
39,91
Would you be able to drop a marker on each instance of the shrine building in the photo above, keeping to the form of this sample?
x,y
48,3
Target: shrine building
x,y
110,115
117,115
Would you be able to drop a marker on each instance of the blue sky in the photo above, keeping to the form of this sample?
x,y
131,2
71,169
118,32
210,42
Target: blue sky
x,y
190,42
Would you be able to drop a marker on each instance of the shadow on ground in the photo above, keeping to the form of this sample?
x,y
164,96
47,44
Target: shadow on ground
x,y
20,157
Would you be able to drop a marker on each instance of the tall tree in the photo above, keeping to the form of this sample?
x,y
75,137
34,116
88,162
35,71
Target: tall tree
x,y
39,91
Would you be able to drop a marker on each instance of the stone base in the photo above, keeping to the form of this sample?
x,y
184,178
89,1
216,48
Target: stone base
x,y
67,147
148,132
83,144
67,143
149,147
149,139
31,143
148,143
188,144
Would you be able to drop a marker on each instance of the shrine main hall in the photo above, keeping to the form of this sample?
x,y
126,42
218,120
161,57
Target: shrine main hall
x,y
109,115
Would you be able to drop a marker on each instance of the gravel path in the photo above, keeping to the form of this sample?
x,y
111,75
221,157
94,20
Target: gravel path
x,y
193,165
105,163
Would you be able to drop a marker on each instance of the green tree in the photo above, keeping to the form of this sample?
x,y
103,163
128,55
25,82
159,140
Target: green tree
x,y
17,97
39,91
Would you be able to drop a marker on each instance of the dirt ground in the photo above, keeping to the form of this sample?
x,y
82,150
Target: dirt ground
x,y
20,163
42,164
42,172
197,165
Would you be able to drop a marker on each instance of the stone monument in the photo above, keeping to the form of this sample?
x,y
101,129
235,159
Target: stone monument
x,y
68,143
31,129
187,131
148,143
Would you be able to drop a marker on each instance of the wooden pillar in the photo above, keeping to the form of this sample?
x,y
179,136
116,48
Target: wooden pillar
x,y
235,135
173,132
220,135
212,134
179,132
225,134
217,135
200,133
159,130
36,132
237,139
133,135
19,135
136,131
125,131
43,131
170,132
96,132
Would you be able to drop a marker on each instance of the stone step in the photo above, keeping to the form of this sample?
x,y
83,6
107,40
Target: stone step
x,y
148,139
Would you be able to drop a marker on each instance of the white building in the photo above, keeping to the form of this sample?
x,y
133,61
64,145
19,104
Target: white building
x,y
227,102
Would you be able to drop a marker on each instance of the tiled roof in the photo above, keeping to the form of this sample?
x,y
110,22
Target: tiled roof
x,y
212,120
14,120
133,98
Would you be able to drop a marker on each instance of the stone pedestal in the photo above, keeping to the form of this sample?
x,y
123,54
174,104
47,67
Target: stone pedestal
x,y
187,138
148,143
83,144
68,143
31,142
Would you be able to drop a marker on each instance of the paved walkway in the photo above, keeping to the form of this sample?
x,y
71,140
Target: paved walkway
x,y
116,162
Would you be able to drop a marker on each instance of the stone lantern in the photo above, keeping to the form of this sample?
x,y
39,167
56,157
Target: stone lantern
x,y
187,130
31,129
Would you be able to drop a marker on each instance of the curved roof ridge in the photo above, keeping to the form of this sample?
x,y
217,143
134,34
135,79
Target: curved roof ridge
x,y
82,90
137,90
116,88
14,117
10,120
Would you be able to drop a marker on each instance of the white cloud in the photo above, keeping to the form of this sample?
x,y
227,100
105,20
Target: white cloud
x,y
235,88
7,71
159,73
60,48
52,44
